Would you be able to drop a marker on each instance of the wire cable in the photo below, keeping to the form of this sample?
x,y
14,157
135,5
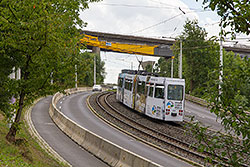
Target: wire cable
x,y
136,6
162,22
147,6
162,3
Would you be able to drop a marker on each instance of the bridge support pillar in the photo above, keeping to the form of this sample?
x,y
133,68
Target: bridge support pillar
x,y
96,50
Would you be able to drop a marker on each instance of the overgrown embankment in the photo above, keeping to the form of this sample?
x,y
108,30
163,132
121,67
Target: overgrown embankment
x,y
24,152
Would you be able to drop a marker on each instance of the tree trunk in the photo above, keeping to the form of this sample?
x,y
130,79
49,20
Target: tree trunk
x,y
14,127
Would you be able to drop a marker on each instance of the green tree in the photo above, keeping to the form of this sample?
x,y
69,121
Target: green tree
x,y
199,57
86,69
232,106
149,68
163,67
234,13
100,70
39,37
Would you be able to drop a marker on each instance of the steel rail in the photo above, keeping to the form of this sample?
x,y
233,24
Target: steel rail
x,y
160,137
150,133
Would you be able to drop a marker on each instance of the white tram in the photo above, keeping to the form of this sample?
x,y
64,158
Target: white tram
x,y
157,97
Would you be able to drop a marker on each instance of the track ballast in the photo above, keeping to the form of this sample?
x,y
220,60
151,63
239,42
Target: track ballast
x,y
168,137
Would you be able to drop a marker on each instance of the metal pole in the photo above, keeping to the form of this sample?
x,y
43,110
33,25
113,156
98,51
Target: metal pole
x,y
153,67
94,69
76,76
51,76
180,61
221,63
172,67
18,74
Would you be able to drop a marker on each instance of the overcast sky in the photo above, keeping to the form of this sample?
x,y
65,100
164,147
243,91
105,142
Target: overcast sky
x,y
149,18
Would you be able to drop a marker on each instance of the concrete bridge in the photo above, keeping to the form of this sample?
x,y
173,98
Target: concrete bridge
x,y
129,39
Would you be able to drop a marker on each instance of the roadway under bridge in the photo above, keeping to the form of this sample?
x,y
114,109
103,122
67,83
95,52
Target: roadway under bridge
x,y
161,46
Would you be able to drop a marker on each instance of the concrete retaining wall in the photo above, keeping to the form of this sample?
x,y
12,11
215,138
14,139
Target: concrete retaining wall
x,y
108,152
196,100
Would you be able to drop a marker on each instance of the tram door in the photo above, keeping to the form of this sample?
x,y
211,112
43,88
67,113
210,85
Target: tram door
x,y
155,101
140,97
128,94
120,89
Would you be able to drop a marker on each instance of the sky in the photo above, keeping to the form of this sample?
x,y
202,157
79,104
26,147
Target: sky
x,y
146,18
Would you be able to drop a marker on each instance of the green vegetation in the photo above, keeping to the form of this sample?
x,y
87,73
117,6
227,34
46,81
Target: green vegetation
x,y
234,13
163,67
231,104
42,39
86,69
200,57
24,152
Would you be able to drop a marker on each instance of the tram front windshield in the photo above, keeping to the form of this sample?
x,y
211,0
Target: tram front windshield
x,y
175,92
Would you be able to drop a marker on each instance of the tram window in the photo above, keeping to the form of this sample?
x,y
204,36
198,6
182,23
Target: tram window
x,y
159,91
126,84
143,88
151,90
120,81
175,92
130,85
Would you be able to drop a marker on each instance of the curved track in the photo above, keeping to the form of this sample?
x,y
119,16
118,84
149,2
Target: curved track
x,y
74,107
149,135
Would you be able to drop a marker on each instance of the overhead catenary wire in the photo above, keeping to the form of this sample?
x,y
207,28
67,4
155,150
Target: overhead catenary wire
x,y
212,24
148,6
165,4
199,47
124,61
162,22
135,6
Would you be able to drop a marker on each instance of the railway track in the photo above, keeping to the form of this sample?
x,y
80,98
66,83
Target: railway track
x,y
160,140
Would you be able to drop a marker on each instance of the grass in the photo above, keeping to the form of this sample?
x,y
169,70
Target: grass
x,y
25,152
